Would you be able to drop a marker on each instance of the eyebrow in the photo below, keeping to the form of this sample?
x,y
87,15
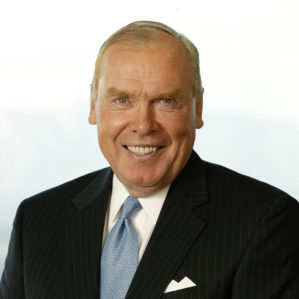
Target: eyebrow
x,y
114,91
111,91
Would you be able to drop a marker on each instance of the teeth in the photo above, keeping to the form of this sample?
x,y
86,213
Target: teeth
x,y
142,150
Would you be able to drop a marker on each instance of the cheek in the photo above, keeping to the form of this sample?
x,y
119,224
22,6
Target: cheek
x,y
181,127
109,123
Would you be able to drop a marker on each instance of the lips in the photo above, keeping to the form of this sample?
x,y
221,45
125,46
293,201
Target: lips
x,y
142,150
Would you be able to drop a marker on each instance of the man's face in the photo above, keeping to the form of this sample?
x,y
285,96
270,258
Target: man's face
x,y
146,113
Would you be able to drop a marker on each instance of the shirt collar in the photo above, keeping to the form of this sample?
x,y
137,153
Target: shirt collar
x,y
151,205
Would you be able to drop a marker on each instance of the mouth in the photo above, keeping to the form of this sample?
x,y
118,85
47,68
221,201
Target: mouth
x,y
142,150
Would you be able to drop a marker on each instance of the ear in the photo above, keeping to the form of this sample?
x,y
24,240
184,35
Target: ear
x,y
92,119
199,106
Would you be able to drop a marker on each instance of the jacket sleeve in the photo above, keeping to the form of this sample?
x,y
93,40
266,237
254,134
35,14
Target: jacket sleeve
x,y
12,281
270,264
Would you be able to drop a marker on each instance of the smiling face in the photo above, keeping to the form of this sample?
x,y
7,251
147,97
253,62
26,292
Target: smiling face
x,y
146,113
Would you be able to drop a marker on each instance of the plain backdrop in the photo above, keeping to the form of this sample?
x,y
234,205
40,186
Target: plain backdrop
x,y
249,53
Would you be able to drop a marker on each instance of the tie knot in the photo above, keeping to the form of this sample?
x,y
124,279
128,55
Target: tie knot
x,y
130,206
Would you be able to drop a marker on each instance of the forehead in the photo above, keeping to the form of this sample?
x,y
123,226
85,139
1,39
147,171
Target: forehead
x,y
158,63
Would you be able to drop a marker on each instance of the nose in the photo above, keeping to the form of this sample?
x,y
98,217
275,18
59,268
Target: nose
x,y
144,120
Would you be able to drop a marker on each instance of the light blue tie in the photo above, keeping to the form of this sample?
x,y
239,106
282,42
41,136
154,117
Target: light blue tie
x,y
120,254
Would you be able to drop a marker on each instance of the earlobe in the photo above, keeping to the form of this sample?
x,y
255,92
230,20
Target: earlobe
x,y
92,114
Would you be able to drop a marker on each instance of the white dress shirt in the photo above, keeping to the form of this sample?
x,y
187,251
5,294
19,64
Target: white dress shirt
x,y
143,220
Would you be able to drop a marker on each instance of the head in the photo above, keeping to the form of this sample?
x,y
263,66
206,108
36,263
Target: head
x,y
146,100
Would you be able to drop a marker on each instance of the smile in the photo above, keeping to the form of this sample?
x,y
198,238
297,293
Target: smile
x,y
142,150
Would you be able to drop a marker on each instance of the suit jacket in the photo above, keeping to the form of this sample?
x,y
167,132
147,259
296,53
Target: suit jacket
x,y
233,236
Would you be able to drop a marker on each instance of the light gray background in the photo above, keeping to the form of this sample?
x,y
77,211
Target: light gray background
x,y
250,70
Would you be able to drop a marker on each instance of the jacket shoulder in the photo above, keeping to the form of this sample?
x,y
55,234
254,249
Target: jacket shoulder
x,y
67,189
226,183
246,201
56,200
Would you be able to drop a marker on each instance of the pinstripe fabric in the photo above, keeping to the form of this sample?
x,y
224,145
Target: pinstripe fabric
x,y
55,245
233,236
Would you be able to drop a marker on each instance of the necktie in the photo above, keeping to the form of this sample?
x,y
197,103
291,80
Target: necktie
x,y
120,254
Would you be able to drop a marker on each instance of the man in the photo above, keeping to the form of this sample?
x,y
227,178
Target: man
x,y
160,223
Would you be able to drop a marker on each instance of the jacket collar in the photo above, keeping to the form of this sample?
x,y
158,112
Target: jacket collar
x,y
191,185
100,185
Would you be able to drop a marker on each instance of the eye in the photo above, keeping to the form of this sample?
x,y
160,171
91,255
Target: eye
x,y
166,101
122,100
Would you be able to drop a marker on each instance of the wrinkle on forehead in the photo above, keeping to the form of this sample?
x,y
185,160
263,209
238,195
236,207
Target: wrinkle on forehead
x,y
175,49
157,68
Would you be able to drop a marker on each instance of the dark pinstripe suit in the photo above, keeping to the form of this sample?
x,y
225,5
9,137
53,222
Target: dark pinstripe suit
x,y
233,236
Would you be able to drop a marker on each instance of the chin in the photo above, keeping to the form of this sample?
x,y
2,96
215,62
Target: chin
x,y
143,185
143,182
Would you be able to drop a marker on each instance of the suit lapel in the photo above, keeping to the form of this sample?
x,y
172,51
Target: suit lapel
x,y
81,238
176,230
